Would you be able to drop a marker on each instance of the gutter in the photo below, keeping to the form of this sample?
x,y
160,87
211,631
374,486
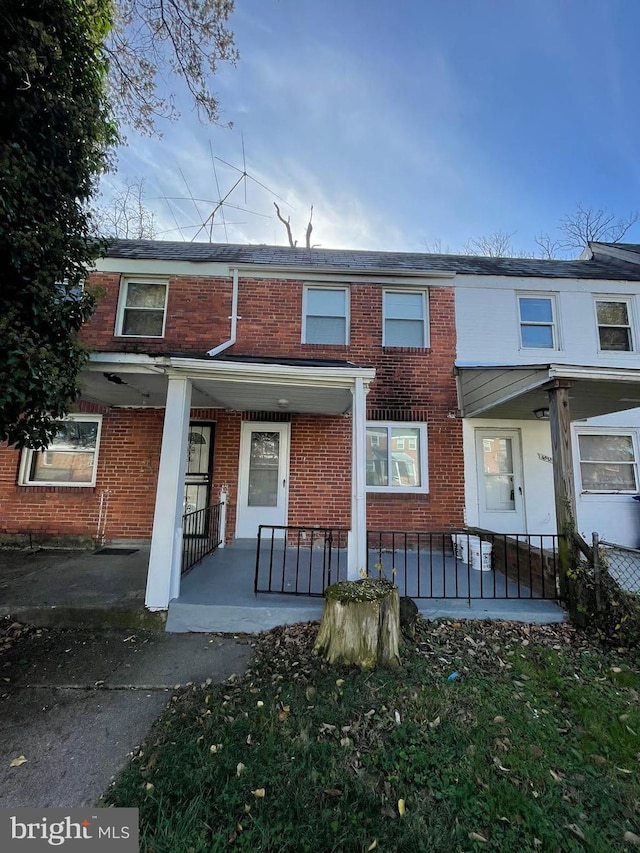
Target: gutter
x,y
234,319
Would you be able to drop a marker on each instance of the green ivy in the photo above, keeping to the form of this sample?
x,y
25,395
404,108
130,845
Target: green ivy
x,y
55,137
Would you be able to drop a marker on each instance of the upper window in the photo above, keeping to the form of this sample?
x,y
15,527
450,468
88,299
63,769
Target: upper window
x,y
614,327
405,319
70,459
325,315
537,322
607,462
142,309
396,457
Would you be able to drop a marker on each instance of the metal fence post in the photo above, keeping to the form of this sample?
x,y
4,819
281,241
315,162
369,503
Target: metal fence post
x,y
596,569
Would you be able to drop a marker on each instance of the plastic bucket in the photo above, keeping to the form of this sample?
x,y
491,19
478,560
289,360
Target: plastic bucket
x,y
463,544
481,556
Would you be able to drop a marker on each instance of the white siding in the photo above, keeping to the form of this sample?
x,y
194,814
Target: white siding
x,y
615,518
488,327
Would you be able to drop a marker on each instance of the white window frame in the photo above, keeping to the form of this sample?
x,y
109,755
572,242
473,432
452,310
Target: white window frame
x,y
555,328
122,304
347,319
626,433
626,300
423,461
27,459
425,315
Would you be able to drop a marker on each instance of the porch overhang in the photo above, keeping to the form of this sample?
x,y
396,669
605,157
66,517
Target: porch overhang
x,y
289,385
515,392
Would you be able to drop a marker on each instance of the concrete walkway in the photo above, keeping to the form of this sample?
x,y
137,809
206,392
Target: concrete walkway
x,y
76,704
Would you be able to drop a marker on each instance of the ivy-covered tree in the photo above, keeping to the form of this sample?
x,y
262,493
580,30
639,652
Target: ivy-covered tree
x,y
55,135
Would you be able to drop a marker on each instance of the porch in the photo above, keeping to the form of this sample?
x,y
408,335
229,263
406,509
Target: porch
x,y
219,593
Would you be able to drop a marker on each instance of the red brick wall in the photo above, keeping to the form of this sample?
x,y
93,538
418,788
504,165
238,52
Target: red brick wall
x,y
411,385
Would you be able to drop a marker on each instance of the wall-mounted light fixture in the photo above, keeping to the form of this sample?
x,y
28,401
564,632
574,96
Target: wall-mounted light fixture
x,y
283,403
541,414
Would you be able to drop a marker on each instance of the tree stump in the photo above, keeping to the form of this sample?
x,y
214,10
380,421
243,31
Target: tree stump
x,y
361,623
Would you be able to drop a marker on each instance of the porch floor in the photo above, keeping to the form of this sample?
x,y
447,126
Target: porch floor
x,y
217,595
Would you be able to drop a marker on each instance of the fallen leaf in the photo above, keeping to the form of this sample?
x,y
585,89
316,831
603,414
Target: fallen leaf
x,y
339,682
632,838
149,787
476,836
555,776
259,793
434,723
260,703
282,716
498,720
622,770
501,767
333,792
572,827
373,845
401,808
310,693
16,762
239,768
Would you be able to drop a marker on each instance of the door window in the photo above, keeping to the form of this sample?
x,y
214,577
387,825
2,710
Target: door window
x,y
263,468
497,465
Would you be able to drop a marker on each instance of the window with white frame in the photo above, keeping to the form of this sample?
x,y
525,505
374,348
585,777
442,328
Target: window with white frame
x,y
538,322
142,309
71,458
614,325
405,319
396,457
608,462
325,315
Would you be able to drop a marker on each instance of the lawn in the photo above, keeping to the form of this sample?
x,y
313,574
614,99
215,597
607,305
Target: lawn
x,y
491,736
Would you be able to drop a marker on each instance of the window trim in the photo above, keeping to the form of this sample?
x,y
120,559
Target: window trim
x,y
425,316
423,461
628,301
122,304
555,326
618,431
27,459
347,302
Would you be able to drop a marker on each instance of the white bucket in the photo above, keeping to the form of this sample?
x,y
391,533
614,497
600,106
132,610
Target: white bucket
x,y
463,544
481,556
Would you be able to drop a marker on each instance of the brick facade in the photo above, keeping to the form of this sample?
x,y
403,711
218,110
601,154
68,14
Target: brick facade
x,y
411,385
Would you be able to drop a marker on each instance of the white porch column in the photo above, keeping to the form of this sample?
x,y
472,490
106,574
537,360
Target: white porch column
x,y
357,556
163,578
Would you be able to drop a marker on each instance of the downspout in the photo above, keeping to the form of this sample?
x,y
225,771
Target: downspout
x,y
234,319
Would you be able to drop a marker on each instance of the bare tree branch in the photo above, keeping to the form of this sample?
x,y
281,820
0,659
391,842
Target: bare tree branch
x,y
287,224
124,215
187,37
309,229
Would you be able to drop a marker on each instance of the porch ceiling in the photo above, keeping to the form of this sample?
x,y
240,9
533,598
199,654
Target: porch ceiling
x,y
301,390
515,392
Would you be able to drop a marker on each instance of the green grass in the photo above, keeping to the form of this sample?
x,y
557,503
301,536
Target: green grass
x,y
534,747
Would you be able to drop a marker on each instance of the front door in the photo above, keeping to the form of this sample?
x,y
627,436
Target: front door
x,y
262,478
197,486
500,485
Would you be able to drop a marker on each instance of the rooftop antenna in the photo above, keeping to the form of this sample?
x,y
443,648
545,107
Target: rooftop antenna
x,y
223,201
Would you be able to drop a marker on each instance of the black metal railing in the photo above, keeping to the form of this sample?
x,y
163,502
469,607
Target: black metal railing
x,y
300,560
469,564
201,534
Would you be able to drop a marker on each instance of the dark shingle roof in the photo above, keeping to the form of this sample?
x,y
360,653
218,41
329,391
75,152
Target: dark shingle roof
x,y
353,259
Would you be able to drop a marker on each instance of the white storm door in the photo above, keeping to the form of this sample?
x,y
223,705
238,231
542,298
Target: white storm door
x,y
262,478
500,486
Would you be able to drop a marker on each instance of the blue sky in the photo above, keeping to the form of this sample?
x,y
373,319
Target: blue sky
x,y
408,123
